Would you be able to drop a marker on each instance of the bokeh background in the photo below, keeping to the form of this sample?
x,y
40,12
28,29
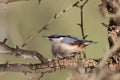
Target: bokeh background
x,y
18,20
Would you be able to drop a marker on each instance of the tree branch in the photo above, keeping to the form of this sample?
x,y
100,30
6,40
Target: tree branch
x,y
47,67
20,52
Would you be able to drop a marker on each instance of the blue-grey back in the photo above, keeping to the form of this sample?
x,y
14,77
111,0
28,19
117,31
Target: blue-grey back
x,y
70,40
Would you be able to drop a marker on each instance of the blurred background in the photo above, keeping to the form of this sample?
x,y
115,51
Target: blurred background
x,y
18,20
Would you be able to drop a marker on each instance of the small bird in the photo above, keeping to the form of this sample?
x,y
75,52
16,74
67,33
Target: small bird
x,y
66,46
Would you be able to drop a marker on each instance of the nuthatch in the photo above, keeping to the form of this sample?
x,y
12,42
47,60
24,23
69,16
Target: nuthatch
x,y
66,46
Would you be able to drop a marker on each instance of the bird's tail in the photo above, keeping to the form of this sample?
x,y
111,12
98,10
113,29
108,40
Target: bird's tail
x,y
87,42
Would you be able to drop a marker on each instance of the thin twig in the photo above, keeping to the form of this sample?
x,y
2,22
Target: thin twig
x,y
106,25
81,6
9,1
81,17
42,75
48,23
82,28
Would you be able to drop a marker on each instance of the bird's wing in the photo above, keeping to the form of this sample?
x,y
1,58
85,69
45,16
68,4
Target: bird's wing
x,y
71,40
74,40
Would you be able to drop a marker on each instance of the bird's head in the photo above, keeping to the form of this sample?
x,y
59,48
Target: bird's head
x,y
55,37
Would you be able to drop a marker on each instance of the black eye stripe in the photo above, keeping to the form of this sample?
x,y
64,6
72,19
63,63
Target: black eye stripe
x,y
54,36
58,36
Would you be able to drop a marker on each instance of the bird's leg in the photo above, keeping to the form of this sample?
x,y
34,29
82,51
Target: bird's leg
x,y
84,54
72,57
79,55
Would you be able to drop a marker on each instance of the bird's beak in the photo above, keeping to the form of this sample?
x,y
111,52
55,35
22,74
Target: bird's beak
x,y
46,37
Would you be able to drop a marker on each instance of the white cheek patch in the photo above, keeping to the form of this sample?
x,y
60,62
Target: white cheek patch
x,y
61,38
57,39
